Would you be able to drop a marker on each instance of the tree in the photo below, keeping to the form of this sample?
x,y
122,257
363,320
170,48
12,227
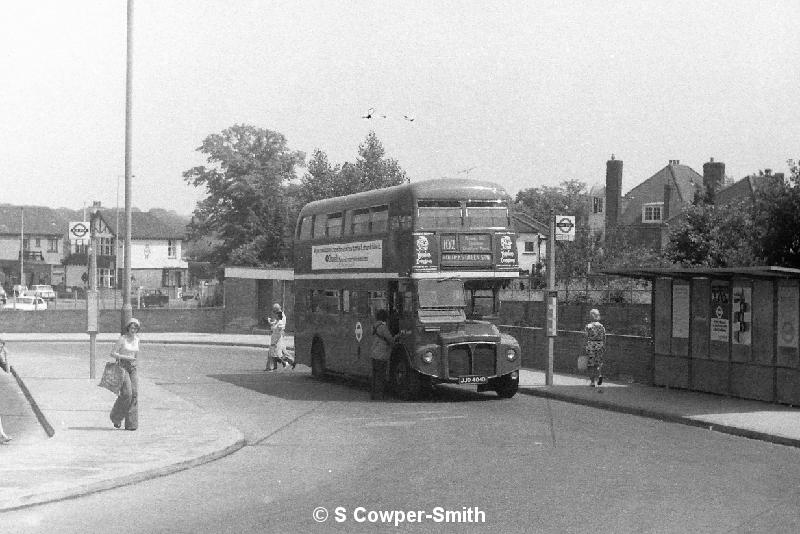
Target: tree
x,y
246,209
714,235
570,197
777,218
372,170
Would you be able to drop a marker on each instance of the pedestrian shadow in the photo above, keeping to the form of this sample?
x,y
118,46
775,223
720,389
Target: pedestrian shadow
x,y
299,385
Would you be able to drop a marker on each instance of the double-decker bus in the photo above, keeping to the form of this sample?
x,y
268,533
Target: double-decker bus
x,y
434,254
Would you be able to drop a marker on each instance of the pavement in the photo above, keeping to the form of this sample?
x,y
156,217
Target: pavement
x,y
59,451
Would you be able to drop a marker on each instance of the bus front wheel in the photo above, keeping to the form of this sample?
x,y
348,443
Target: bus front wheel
x,y
506,387
405,380
317,359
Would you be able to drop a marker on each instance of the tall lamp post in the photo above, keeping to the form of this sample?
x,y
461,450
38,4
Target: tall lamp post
x,y
127,310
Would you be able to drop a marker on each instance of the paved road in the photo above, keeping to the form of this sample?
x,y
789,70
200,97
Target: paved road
x,y
529,464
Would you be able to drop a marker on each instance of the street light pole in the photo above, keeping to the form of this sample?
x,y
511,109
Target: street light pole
x,y
127,311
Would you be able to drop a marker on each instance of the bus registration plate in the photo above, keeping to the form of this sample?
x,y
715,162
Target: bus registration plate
x,y
472,379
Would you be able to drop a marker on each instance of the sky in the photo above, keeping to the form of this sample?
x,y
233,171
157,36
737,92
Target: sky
x,y
523,94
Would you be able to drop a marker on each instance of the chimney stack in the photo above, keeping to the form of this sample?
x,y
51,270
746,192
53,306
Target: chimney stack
x,y
667,200
613,191
713,177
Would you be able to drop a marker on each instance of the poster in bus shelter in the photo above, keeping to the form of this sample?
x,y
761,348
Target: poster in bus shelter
x,y
358,255
788,307
720,326
742,315
680,310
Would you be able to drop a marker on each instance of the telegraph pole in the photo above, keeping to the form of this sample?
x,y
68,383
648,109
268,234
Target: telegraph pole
x,y
127,311
552,301
91,295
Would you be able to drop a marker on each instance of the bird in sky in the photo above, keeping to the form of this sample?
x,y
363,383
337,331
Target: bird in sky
x,y
409,119
369,114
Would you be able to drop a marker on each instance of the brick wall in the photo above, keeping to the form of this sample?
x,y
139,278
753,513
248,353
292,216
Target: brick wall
x,y
627,357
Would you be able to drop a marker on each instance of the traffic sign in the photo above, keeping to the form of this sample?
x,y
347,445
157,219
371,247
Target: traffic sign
x,y
565,228
78,231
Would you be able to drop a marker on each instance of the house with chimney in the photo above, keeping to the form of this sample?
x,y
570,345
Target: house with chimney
x,y
156,252
647,212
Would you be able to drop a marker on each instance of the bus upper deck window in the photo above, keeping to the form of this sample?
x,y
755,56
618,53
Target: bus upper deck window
x,y
487,213
380,219
305,228
333,225
320,223
439,212
360,223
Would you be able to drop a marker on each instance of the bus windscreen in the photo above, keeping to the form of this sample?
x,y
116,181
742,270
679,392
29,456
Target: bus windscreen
x,y
445,293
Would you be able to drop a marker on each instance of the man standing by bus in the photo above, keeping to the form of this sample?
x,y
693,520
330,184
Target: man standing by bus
x,y
381,351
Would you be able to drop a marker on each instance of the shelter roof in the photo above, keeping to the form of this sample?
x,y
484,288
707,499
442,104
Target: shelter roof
x,y
769,271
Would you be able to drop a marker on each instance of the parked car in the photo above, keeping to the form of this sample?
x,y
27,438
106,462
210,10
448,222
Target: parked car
x,y
3,296
149,298
44,291
19,290
27,303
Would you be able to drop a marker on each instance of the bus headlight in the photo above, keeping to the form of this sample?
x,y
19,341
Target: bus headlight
x,y
511,354
427,357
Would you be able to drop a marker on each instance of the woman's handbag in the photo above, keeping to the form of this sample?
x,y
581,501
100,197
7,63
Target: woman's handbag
x,y
583,362
112,378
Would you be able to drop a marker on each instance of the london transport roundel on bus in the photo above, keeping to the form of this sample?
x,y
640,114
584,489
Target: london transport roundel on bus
x,y
359,331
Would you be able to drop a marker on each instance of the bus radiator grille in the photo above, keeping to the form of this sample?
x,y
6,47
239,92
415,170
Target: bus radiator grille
x,y
483,359
471,359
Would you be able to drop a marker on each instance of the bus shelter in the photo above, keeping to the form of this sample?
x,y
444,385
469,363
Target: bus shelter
x,y
731,331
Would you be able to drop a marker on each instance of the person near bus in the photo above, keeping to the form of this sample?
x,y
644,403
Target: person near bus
x,y
595,348
381,352
126,351
277,342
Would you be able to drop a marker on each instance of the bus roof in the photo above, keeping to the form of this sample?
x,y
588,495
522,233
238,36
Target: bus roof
x,y
442,189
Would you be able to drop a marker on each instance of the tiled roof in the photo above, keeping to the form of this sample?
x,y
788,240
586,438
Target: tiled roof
x,y
524,223
684,180
143,225
36,220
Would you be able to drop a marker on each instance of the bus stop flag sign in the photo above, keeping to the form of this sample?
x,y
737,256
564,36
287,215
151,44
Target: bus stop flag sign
x,y
565,228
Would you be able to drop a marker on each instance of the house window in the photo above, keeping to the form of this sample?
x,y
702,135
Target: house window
x,y
38,242
530,247
597,205
106,277
172,248
106,247
52,244
651,213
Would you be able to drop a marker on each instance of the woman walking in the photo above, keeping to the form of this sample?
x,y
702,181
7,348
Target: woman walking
x,y
277,343
126,351
595,348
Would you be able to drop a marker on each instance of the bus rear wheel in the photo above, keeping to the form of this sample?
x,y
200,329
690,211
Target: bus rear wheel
x,y
506,387
317,359
405,380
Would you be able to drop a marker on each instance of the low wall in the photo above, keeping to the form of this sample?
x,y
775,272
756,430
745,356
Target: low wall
x,y
624,318
209,320
627,357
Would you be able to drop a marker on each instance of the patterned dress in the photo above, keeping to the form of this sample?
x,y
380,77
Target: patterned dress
x,y
595,343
